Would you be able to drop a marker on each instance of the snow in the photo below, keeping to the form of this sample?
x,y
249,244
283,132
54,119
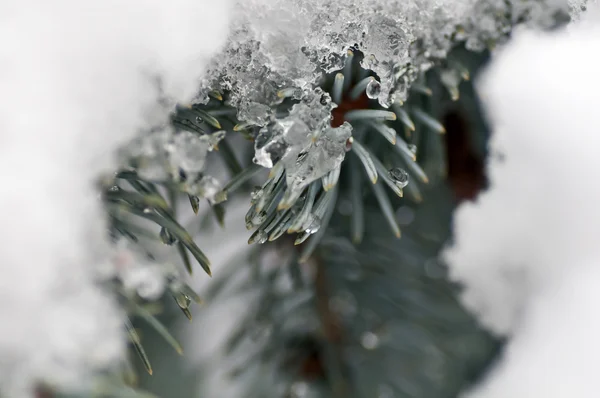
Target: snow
x,y
279,44
526,250
78,80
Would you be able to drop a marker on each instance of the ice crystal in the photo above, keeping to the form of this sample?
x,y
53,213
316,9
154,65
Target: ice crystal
x,y
304,141
319,158
254,113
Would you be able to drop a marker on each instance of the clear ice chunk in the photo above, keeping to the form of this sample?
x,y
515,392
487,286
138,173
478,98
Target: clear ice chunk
x,y
286,138
319,158
254,113
399,177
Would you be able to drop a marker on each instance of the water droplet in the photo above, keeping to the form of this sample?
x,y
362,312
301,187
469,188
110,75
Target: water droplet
x,y
314,226
199,119
195,203
166,237
183,301
148,210
114,188
399,176
369,340
373,89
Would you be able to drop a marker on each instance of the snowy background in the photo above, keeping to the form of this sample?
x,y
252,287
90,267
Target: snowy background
x,y
78,80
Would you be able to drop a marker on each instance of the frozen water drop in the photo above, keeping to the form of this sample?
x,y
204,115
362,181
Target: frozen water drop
x,y
319,158
314,226
183,301
166,237
199,119
373,89
369,340
399,176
